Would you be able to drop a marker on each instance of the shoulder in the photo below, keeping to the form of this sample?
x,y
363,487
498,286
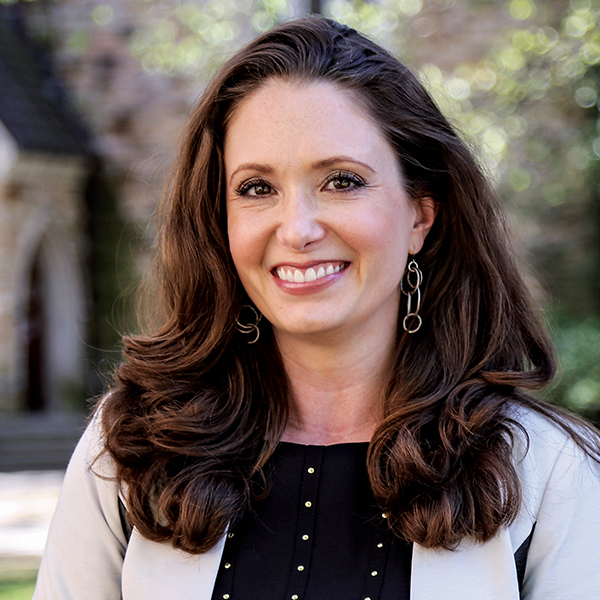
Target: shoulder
x,y
559,480
90,479
545,452
559,519
86,543
89,460
542,441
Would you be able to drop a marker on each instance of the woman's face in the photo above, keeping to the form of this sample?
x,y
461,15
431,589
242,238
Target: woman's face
x,y
319,222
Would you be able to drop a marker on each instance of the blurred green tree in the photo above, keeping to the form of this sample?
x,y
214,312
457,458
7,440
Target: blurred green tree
x,y
532,104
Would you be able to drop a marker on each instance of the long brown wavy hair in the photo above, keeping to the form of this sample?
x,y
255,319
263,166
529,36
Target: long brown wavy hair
x,y
196,411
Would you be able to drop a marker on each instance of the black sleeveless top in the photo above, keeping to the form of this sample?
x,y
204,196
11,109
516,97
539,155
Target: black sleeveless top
x,y
317,535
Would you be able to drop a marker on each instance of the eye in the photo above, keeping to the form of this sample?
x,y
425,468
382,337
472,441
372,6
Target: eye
x,y
343,181
254,187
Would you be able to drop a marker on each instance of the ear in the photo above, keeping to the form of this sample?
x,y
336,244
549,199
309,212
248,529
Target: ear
x,y
425,213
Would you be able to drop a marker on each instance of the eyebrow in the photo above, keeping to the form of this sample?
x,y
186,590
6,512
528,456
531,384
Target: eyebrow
x,y
264,169
330,162
320,164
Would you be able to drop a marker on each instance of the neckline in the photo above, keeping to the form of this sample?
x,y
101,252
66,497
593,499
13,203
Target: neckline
x,y
325,446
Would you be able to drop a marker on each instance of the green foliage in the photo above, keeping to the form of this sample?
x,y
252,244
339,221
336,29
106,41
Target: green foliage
x,y
192,38
535,82
16,590
385,21
531,105
578,386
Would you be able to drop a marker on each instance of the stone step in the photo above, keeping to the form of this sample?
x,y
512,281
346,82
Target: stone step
x,y
38,442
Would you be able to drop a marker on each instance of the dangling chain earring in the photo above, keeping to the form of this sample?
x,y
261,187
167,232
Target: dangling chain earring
x,y
414,278
250,327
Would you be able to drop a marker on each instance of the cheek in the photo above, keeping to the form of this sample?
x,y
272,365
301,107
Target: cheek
x,y
382,236
237,240
245,244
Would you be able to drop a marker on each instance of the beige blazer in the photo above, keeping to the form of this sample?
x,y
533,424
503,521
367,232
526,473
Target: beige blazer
x,y
88,558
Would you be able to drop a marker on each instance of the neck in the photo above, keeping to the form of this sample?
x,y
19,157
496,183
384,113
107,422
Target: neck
x,y
337,386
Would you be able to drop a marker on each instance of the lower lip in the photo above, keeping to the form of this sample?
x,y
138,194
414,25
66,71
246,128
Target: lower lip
x,y
309,287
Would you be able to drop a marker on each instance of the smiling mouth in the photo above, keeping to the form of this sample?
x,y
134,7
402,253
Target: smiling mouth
x,y
294,275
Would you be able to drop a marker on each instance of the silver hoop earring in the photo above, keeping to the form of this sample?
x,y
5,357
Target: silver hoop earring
x,y
250,327
414,278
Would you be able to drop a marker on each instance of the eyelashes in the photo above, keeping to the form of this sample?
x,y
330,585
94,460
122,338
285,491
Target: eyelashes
x,y
259,186
340,182
345,180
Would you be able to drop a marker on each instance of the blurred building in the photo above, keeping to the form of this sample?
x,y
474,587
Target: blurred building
x,y
43,168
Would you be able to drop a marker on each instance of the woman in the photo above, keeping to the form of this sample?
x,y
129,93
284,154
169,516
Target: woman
x,y
336,403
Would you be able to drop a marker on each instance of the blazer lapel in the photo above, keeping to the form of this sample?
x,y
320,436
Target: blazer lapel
x,y
153,571
471,572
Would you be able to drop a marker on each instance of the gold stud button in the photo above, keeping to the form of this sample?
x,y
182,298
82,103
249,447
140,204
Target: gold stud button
x,y
384,515
311,470
227,565
380,545
374,573
367,598
300,568
304,537
226,596
295,597
308,504
230,535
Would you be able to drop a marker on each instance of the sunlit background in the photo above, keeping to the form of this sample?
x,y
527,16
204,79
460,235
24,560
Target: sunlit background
x,y
93,97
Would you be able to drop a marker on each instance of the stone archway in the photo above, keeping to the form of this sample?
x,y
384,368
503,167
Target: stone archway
x,y
54,326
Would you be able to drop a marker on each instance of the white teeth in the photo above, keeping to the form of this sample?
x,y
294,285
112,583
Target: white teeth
x,y
297,276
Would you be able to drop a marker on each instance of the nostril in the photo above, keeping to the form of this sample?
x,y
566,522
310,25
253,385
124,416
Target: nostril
x,y
301,229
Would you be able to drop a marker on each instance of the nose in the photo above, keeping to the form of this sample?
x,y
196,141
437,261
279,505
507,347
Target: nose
x,y
300,224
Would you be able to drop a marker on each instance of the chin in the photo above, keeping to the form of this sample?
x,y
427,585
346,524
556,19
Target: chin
x,y
306,327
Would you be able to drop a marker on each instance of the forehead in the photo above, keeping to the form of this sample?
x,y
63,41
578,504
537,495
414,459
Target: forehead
x,y
308,115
